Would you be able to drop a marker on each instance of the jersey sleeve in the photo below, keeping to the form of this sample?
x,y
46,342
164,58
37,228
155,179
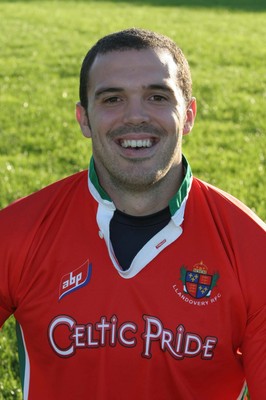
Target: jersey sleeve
x,y
245,235
254,354
252,276
4,314
9,259
19,224
16,234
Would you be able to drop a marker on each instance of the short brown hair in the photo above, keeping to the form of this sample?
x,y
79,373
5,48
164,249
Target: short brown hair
x,y
137,39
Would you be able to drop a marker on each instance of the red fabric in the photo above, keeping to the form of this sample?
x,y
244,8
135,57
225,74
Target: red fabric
x,y
89,333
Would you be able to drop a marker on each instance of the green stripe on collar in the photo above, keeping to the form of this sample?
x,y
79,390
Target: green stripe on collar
x,y
176,201
245,393
95,181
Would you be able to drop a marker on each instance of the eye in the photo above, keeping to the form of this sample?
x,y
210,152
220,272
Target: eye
x,y
158,98
112,100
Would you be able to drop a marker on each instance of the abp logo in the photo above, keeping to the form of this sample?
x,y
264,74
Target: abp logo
x,y
76,279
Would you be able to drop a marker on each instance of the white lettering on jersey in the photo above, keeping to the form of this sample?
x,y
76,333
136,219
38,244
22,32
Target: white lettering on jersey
x,y
66,337
191,343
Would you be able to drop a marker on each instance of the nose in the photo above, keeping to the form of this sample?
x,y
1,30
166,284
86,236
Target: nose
x,y
135,112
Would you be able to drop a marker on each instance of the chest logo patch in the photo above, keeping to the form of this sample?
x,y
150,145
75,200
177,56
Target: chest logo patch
x,y
75,280
197,282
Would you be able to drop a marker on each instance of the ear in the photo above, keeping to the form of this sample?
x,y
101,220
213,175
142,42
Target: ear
x,y
190,116
83,120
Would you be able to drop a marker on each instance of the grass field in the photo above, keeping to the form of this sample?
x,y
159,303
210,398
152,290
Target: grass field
x,y
42,45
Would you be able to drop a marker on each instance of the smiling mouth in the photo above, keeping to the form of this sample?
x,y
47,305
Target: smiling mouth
x,y
136,144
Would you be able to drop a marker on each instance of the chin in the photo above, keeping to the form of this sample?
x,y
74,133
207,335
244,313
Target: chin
x,y
136,182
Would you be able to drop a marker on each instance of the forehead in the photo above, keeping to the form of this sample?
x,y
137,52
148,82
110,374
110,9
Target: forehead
x,y
145,67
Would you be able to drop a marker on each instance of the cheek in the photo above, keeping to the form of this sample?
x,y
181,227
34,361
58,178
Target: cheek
x,y
102,122
179,121
169,117
98,125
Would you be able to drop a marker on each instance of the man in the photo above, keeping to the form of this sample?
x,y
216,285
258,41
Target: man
x,y
135,280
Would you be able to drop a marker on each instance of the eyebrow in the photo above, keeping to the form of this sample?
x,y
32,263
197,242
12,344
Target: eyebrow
x,y
104,90
161,87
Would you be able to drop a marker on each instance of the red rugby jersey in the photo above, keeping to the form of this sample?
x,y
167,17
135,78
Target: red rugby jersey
x,y
186,321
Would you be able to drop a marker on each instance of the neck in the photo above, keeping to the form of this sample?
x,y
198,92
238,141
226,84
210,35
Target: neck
x,y
147,200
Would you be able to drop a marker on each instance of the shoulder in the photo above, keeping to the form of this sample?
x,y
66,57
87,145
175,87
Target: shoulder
x,y
239,232
224,205
47,193
25,212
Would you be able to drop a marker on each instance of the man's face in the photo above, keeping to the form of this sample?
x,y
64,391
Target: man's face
x,y
136,116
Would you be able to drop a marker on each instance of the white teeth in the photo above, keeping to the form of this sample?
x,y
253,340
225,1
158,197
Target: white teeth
x,y
136,143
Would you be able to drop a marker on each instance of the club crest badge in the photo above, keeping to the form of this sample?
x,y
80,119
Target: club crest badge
x,y
197,282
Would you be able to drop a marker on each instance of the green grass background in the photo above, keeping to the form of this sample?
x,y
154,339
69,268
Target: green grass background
x,y
42,46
